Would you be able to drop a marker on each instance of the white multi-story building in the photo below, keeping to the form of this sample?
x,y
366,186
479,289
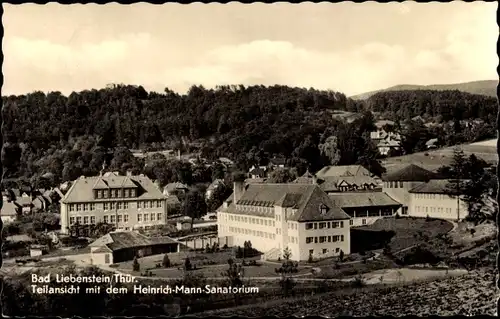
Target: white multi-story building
x,y
300,217
436,200
127,202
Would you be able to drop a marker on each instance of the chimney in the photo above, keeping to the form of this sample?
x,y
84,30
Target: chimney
x,y
315,180
129,173
238,189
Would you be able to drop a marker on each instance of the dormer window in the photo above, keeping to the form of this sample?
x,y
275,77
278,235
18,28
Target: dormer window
x,y
323,209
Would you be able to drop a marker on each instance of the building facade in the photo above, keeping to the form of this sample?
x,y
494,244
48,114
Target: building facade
x,y
127,202
436,200
398,184
300,217
366,208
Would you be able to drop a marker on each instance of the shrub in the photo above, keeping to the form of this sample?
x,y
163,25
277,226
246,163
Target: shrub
x,y
358,282
225,246
187,264
472,232
166,261
135,265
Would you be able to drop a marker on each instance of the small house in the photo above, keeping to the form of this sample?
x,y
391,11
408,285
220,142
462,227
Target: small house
x,y
38,250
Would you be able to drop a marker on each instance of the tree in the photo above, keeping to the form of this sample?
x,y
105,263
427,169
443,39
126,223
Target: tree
x,y
281,175
330,150
234,274
194,206
135,264
166,261
219,195
187,264
456,186
288,267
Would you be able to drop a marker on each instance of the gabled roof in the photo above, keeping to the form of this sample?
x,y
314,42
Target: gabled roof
x,y
352,200
277,161
129,239
436,186
82,188
171,187
432,141
257,171
9,209
410,173
333,183
344,170
255,180
173,200
216,184
305,199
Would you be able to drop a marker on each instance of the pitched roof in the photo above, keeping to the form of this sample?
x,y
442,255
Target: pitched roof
x,y
436,186
410,173
171,187
351,200
82,188
344,170
128,239
432,141
255,180
9,209
305,199
333,183
257,171
277,161
173,200
215,184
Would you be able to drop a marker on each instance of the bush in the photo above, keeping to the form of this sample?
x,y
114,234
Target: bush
x,y
225,246
135,265
310,259
166,261
187,264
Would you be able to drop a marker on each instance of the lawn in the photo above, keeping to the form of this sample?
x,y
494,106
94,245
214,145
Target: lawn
x,y
409,231
351,270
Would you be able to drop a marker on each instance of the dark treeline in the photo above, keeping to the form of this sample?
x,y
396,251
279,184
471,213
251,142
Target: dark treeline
x,y
442,106
74,135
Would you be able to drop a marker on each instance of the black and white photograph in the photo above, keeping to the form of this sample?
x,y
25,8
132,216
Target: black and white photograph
x,y
311,159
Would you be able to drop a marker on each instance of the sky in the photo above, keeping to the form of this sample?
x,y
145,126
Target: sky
x,y
347,47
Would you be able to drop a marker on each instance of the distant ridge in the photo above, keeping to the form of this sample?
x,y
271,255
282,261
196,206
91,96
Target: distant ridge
x,y
488,88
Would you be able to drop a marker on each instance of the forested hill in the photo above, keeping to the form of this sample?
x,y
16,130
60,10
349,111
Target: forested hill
x,y
488,88
75,134
441,105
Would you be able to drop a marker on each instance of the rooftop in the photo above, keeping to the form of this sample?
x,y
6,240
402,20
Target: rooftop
x,y
410,173
82,188
435,186
351,200
344,170
128,239
305,199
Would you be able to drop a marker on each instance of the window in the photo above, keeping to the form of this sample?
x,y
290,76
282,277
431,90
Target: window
x,y
71,207
153,217
328,225
323,209
309,225
92,220
139,217
273,223
99,194
133,193
351,222
322,225
112,193
106,194
146,217
78,207
337,250
329,239
335,224
325,250
158,204
159,216
322,239
315,225
125,205
139,204
79,219
106,206
120,217
311,251
113,219
86,220
105,219
92,206
85,207
342,224
341,237
126,192
71,220
363,221
315,240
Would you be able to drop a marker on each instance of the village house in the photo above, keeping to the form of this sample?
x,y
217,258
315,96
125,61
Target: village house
x,y
213,187
175,189
432,143
385,140
124,201
339,184
257,172
397,184
122,246
273,217
276,162
437,199
9,211
342,170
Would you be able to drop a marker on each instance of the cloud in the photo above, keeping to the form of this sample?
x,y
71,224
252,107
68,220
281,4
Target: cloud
x,y
467,53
